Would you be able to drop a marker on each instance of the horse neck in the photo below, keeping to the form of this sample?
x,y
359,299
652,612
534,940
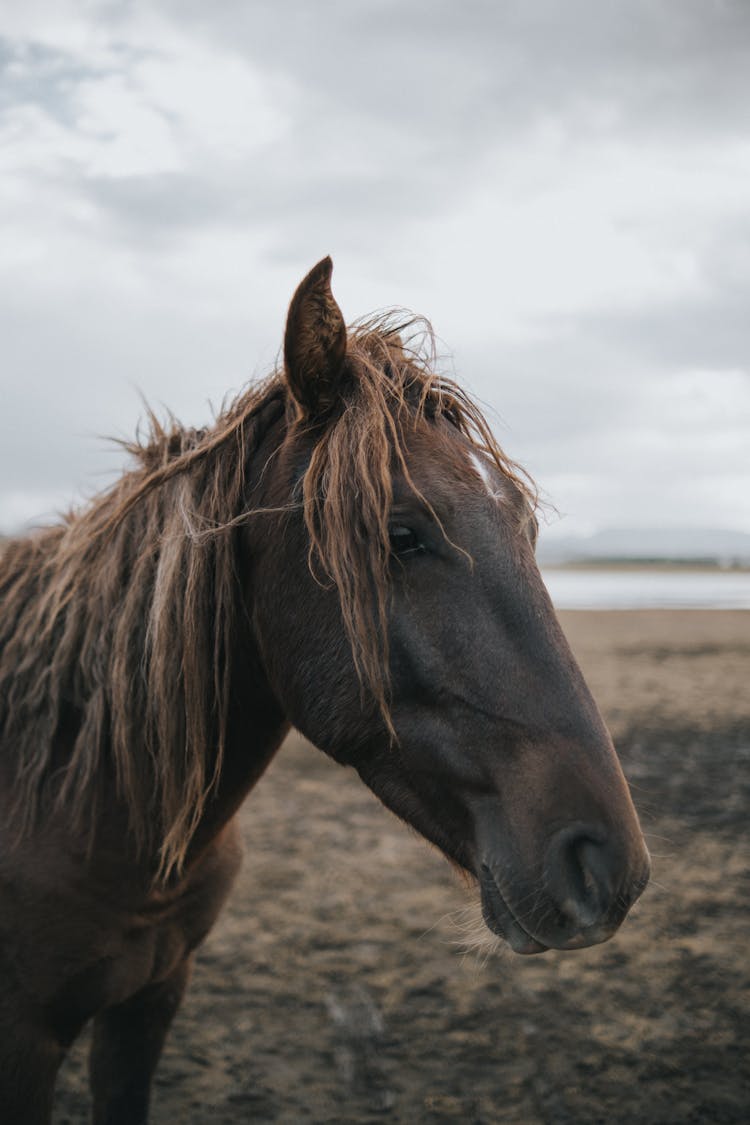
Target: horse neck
x,y
127,660
257,723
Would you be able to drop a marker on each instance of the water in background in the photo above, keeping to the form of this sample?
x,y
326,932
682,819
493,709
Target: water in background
x,y
648,589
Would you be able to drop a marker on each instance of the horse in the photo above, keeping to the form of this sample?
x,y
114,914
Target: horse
x,y
346,550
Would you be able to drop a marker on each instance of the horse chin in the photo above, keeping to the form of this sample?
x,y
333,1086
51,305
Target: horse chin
x,y
499,918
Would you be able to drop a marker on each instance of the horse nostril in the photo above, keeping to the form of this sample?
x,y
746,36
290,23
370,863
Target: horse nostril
x,y
582,872
594,861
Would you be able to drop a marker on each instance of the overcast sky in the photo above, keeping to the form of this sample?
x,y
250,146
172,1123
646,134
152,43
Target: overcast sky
x,y
563,188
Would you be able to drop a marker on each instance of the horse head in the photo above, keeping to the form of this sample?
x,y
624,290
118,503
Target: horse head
x,y
405,630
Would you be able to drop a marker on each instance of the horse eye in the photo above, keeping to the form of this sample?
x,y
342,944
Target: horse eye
x,y
404,541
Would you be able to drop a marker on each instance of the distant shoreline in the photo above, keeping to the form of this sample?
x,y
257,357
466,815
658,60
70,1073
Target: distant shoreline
x,y
630,585
681,566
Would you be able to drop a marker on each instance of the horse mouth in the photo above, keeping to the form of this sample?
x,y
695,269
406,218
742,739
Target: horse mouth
x,y
499,917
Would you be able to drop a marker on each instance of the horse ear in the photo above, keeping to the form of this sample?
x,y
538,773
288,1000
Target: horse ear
x,y
315,343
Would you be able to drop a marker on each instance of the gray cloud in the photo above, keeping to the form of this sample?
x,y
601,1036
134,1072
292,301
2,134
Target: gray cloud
x,y
449,72
426,89
160,212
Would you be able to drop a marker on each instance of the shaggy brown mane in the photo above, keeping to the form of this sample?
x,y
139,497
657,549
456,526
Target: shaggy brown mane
x,y
119,625
347,488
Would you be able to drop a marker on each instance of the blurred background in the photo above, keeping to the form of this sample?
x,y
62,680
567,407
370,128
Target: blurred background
x,y
564,190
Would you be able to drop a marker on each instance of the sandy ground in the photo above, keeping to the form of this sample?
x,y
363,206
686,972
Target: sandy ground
x,y
333,989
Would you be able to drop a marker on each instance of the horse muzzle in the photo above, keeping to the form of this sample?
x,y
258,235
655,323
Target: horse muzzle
x,y
587,885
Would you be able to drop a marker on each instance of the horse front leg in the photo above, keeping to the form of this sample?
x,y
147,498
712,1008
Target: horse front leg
x,y
127,1043
30,1058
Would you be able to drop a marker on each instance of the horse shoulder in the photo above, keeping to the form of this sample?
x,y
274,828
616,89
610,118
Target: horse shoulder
x,y
74,941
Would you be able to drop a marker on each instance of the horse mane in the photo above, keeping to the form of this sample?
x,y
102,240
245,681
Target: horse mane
x,y
347,488
119,625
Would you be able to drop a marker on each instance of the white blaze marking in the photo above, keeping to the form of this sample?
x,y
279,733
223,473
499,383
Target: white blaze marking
x,y
484,473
